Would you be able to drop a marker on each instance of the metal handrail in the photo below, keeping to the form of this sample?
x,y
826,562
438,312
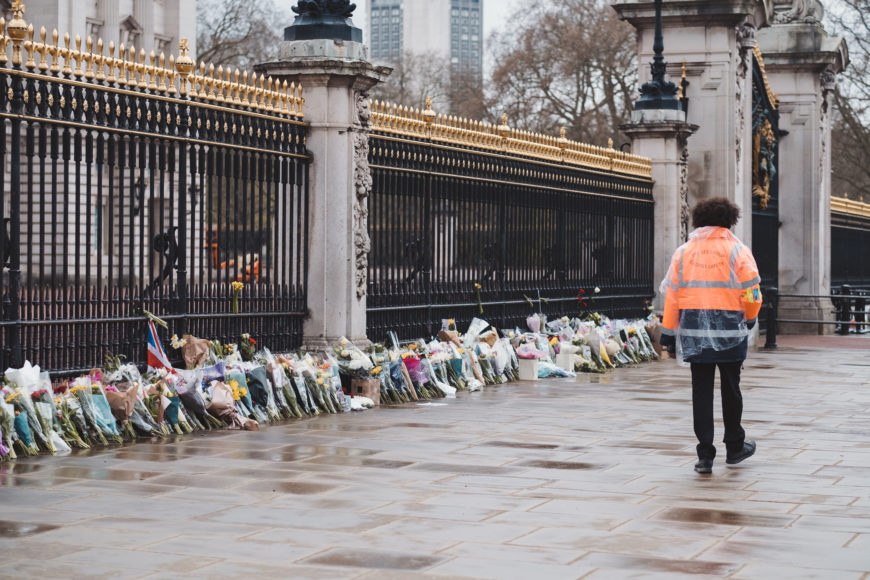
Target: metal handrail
x,y
844,313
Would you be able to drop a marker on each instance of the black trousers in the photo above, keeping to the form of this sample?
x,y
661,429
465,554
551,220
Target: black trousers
x,y
703,375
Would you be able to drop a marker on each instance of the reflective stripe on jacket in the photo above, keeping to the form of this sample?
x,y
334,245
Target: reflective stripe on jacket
x,y
712,291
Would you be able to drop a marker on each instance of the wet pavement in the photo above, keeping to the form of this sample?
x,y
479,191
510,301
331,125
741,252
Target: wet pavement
x,y
586,478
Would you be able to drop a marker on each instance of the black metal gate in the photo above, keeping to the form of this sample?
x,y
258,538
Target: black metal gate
x,y
765,179
131,186
467,220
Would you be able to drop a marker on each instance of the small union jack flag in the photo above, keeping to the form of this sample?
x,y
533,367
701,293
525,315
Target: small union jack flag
x,y
157,358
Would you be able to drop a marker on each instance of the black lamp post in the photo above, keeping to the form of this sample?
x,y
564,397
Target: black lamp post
x,y
323,19
658,93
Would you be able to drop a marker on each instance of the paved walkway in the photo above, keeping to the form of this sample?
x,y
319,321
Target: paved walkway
x,y
561,479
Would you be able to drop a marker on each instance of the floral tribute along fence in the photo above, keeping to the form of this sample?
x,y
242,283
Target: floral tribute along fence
x,y
245,386
469,219
134,182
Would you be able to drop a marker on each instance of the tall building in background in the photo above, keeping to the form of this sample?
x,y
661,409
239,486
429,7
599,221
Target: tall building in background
x,y
451,28
156,25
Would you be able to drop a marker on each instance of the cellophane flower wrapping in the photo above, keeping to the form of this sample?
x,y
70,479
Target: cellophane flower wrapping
x,y
23,382
103,412
261,392
351,360
7,428
42,396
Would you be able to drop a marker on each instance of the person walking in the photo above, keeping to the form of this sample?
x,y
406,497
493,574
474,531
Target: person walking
x,y
712,300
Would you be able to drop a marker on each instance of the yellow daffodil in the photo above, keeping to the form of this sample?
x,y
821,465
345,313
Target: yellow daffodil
x,y
13,396
320,381
377,370
237,286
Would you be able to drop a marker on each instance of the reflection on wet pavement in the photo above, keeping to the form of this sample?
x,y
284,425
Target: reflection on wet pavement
x,y
20,530
377,560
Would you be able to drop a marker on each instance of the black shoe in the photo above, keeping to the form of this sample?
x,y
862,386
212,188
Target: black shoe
x,y
704,466
745,453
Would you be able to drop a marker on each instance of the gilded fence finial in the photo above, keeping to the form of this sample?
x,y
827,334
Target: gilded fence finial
x,y
130,66
101,61
562,141
152,71
211,82
141,68
170,72
90,57
184,64
66,53
203,82
429,114
16,29
29,47
42,49
161,72
77,56
504,130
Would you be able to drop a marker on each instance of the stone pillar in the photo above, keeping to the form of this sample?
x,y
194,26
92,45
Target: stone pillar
x,y
336,78
662,135
802,62
713,39
111,16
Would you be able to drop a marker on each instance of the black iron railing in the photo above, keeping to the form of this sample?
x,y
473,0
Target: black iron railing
x,y
126,191
850,309
850,247
457,227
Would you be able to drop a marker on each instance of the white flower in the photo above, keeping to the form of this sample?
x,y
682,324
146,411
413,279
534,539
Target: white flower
x,y
355,355
565,320
355,365
345,354
597,290
177,342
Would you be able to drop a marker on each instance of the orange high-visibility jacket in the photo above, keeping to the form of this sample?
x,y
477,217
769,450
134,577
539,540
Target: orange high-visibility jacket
x,y
712,292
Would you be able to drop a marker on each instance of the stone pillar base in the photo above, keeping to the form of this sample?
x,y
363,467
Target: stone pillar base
x,y
805,309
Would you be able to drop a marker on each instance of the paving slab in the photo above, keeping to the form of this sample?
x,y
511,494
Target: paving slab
x,y
566,478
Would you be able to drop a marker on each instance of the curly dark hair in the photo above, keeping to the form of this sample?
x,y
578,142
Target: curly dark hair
x,y
715,211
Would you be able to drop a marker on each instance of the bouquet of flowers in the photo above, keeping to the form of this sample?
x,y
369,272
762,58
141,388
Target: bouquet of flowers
x,y
287,385
351,360
224,405
189,389
247,347
123,403
238,382
7,430
102,410
46,410
261,393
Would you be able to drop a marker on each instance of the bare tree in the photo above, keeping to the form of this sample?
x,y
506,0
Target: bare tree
x,y
851,132
415,77
239,34
566,63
